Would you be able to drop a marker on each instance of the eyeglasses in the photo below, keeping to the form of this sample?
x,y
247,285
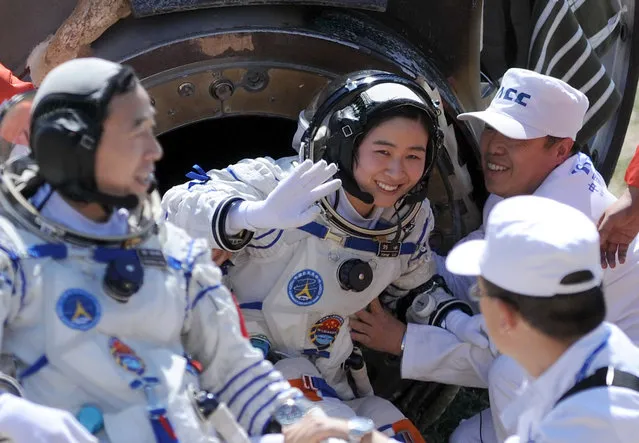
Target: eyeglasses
x,y
474,293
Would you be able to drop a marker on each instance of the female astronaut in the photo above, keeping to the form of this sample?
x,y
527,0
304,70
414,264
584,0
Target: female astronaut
x,y
316,239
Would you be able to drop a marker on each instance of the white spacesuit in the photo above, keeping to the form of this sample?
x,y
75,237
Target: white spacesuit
x,y
299,278
124,323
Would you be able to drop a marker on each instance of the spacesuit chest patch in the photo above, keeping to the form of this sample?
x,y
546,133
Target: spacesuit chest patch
x,y
78,309
152,257
126,357
322,334
305,288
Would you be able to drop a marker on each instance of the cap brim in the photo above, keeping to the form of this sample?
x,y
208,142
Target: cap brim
x,y
504,124
465,258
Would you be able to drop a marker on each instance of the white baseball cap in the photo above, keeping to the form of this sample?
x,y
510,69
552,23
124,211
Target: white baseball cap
x,y
532,105
531,244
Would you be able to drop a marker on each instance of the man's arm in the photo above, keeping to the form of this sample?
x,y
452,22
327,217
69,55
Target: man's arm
x,y
619,224
233,370
428,353
228,207
201,205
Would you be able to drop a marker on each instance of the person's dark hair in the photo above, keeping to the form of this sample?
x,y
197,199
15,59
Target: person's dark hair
x,y
551,140
378,118
562,316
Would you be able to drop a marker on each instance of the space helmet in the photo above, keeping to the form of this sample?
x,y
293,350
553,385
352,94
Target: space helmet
x,y
51,136
67,118
338,117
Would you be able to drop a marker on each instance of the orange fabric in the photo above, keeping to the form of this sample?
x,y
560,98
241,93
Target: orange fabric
x,y
11,85
408,431
308,392
632,173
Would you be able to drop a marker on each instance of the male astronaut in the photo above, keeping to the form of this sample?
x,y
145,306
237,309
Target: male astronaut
x,y
310,249
527,147
112,318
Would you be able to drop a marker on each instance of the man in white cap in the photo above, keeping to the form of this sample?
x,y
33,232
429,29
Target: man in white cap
x,y
540,291
527,147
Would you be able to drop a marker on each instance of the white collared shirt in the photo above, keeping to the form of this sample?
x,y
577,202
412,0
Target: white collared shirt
x,y
599,415
577,183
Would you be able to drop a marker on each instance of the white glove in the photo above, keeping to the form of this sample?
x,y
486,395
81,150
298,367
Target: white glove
x,y
468,329
23,421
291,203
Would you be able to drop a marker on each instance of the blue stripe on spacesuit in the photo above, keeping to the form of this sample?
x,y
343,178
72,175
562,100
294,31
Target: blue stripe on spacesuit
x,y
187,268
255,396
419,242
357,243
187,277
197,174
265,234
270,244
5,279
324,387
230,171
236,376
174,263
202,293
265,405
35,367
233,174
17,267
251,383
257,305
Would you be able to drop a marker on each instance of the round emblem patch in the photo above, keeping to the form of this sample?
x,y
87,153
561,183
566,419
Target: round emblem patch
x,y
305,288
324,331
78,309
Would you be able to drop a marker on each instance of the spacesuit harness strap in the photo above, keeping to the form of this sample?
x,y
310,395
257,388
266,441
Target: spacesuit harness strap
x,y
99,254
603,378
381,249
140,378
313,388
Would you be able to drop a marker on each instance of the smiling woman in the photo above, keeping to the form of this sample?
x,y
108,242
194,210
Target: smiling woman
x,y
391,157
352,217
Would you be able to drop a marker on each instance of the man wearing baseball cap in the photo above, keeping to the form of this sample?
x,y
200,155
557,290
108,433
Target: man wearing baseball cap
x,y
540,291
527,147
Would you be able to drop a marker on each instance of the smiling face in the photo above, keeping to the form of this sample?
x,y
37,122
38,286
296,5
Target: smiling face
x,y
125,159
390,161
518,167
